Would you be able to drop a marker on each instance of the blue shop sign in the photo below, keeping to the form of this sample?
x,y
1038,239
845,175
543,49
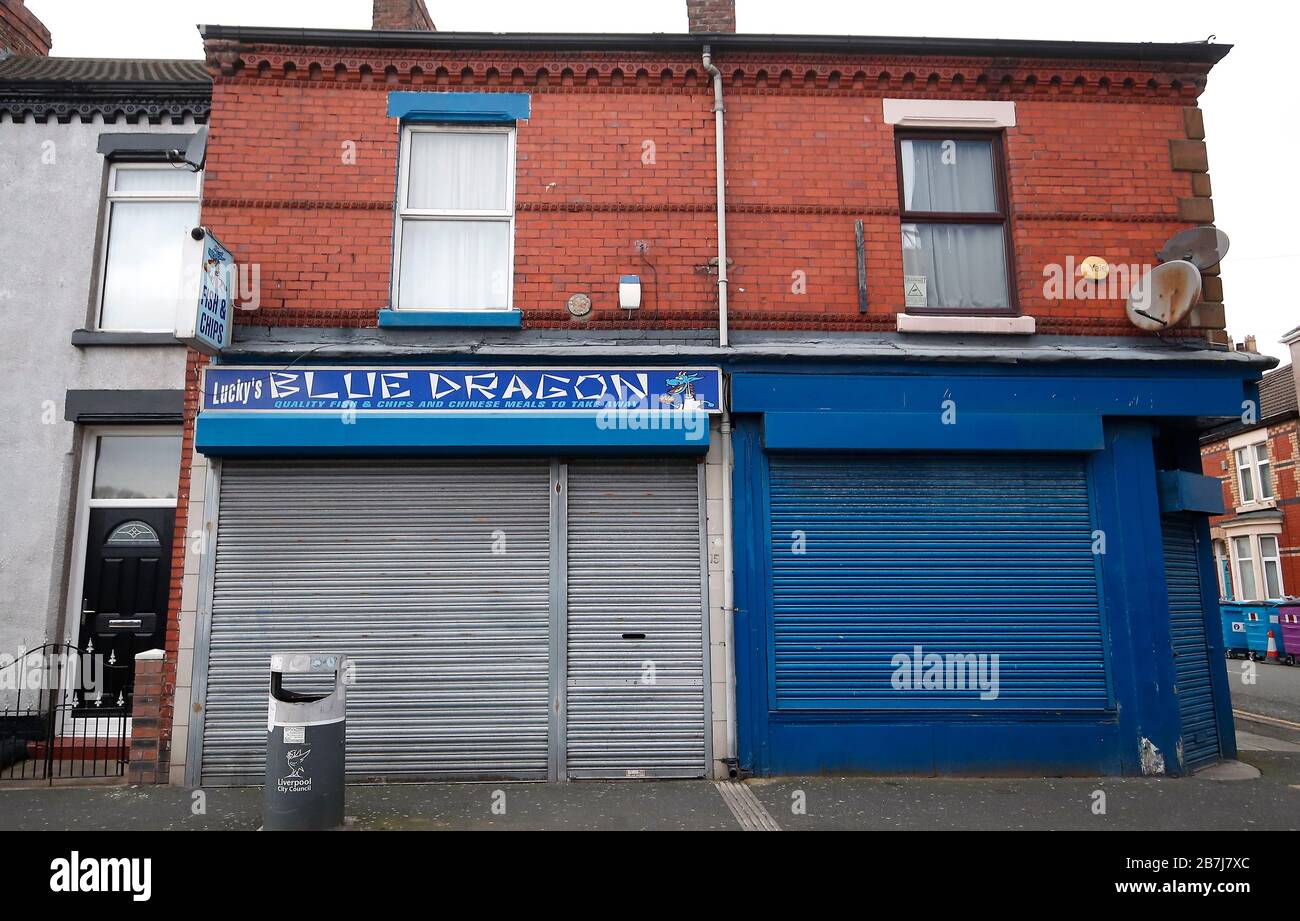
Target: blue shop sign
x,y
409,389
206,314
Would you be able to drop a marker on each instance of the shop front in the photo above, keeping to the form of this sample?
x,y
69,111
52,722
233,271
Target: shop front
x,y
513,557
979,569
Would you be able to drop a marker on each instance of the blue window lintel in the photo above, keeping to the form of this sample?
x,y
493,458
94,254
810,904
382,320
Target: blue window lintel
x,y
508,319
473,108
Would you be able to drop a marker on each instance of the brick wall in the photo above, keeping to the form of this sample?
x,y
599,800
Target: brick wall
x,y
401,14
1284,455
1217,461
620,149
146,721
156,768
20,31
711,15
1284,449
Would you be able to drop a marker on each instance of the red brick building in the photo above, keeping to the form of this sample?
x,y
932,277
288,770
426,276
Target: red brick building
x,y
878,290
1257,543
20,31
1107,157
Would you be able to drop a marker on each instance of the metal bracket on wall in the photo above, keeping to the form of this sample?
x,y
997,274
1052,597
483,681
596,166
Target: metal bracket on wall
x,y
860,240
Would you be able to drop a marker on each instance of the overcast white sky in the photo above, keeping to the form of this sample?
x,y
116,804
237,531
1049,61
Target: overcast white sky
x,y
1251,131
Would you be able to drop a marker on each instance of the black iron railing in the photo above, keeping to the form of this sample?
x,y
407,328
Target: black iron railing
x,y
56,721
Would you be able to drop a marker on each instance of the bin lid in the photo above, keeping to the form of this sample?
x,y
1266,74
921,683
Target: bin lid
x,y
294,663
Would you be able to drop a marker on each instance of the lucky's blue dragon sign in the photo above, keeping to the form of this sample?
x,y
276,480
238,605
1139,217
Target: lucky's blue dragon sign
x,y
467,389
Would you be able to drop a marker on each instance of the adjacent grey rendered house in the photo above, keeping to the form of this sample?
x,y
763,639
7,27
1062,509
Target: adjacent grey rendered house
x,y
93,210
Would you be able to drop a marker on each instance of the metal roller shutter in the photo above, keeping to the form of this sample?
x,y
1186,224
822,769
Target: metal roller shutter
x,y
958,554
393,564
1193,683
635,609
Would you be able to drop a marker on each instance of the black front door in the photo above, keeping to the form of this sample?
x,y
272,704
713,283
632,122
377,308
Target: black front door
x,y
124,601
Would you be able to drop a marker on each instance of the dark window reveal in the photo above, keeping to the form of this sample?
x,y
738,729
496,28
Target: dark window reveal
x,y
954,223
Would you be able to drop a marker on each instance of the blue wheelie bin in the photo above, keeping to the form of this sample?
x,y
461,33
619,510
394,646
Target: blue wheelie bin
x,y
1261,618
1233,616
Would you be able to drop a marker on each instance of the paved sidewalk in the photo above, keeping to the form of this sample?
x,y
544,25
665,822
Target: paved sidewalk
x,y
1254,742
1271,801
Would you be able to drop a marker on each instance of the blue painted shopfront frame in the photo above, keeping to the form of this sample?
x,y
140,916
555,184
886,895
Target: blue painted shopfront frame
x,y
301,435
1127,407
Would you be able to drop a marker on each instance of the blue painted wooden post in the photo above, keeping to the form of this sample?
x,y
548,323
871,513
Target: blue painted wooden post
x,y
750,599
1137,599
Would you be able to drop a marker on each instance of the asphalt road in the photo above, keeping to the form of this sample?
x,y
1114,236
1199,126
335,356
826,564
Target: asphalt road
x,y
1275,691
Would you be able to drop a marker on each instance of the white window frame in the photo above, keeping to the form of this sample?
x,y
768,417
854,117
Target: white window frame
x,y
110,198
1255,538
1248,473
403,213
89,453
1222,553
85,501
1275,559
1239,584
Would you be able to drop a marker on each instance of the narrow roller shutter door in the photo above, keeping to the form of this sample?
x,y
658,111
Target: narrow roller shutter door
x,y
394,565
1192,681
959,555
635,651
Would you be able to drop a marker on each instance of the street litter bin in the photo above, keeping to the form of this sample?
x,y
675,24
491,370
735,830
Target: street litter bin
x,y
305,745
1233,616
1289,617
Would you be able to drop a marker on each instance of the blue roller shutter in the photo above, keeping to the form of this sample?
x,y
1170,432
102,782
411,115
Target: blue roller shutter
x,y
1192,681
962,555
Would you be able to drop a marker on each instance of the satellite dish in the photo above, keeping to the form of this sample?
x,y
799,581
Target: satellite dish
x,y
1165,295
195,152
1203,247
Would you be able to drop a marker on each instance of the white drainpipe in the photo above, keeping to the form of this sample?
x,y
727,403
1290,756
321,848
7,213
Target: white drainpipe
x,y
728,589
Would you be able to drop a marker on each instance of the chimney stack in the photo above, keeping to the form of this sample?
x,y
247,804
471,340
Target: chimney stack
x,y
20,31
711,15
401,16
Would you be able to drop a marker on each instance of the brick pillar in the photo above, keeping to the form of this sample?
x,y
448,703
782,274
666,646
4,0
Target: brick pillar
x,y
20,31
401,15
145,709
711,15
1188,155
